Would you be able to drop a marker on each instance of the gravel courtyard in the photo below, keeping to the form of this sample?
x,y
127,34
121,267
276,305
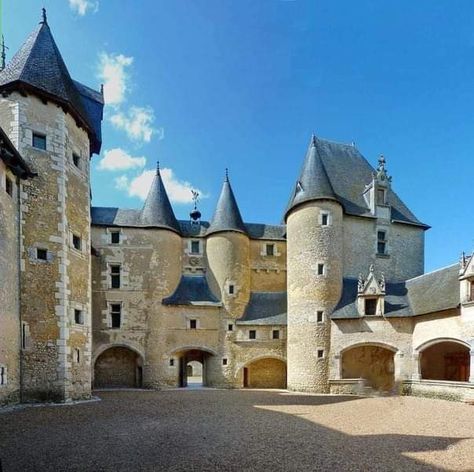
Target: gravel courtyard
x,y
239,430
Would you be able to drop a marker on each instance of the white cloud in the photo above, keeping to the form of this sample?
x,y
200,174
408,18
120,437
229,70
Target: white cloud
x,y
82,6
118,159
113,72
137,123
179,191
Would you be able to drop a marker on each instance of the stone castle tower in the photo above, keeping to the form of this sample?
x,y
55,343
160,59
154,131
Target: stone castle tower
x,y
314,277
54,122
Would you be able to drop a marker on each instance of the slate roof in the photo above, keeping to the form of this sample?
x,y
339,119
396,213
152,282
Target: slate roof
x,y
334,170
192,290
227,214
39,68
157,211
428,293
265,308
109,216
12,158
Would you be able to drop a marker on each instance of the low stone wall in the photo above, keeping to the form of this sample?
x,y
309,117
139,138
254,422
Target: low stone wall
x,y
445,390
347,386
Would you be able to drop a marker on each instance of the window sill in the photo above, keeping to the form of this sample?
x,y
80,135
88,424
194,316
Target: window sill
x,y
382,256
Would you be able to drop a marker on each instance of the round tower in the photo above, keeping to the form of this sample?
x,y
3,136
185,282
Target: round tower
x,y
228,254
314,271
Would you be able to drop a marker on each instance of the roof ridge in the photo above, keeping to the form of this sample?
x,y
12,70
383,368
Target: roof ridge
x,y
433,272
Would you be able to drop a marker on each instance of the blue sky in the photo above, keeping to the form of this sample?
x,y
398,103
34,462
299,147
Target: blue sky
x,y
210,84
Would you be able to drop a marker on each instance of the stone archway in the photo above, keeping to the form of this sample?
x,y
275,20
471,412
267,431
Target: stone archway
x,y
192,360
373,363
118,366
445,359
266,372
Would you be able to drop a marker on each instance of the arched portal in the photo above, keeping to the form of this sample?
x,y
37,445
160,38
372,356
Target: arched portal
x,y
266,372
193,367
445,360
373,363
118,366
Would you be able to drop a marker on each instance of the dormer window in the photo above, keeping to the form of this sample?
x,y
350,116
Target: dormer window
x,y
380,196
270,249
195,247
370,306
371,294
471,291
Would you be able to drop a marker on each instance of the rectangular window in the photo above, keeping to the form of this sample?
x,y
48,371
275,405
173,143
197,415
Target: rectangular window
x,y
3,375
171,362
320,269
230,327
115,315
79,317
231,289
9,186
471,298
380,197
381,242
324,219
370,306
77,355
195,249
23,335
76,242
320,353
192,324
115,276
319,316
270,249
115,237
76,159
276,334
252,334
41,254
224,361
39,141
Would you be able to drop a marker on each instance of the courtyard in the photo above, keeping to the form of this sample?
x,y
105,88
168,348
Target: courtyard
x,y
238,430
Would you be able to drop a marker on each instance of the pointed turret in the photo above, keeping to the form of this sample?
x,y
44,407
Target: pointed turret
x,y
157,210
313,183
227,215
38,68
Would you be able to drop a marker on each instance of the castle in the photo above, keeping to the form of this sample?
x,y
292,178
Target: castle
x,y
334,300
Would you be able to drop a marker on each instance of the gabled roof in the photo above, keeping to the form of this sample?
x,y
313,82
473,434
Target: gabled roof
x,y
157,211
12,158
39,68
192,290
335,170
265,308
227,214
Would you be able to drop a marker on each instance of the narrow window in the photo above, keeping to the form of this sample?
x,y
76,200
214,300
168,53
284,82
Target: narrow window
x,y
252,334
76,242
380,196
324,219
231,289
270,249
171,362
320,269
195,247
224,361
9,186
24,335
115,276
115,315
3,376
230,327
41,254
78,317
76,159
115,237
381,242
319,317
276,334
39,141
77,355
370,306
320,353
192,324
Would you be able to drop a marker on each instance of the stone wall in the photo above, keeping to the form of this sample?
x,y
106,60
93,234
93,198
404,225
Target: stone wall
x,y
266,373
117,367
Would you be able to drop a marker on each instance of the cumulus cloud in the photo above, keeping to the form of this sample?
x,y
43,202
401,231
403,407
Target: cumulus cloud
x,y
179,191
137,123
118,159
113,71
81,7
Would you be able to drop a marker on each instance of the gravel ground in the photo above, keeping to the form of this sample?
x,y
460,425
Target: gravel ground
x,y
239,430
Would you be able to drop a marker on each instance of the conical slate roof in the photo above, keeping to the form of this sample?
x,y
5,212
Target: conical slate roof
x,y
157,210
227,215
313,183
38,67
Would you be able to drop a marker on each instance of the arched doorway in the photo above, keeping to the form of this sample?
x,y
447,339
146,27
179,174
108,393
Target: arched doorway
x,y
267,372
193,367
373,363
445,360
118,366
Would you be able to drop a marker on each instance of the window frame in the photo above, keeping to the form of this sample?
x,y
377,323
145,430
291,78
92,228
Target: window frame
x,y
9,186
193,324
320,354
115,277
382,242
77,160
113,312
321,269
81,318
76,241
115,233
192,244
252,334
275,334
319,314
41,136
41,250
367,301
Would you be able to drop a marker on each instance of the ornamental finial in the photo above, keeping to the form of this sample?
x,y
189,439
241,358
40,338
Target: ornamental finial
x,y
44,19
157,167
226,175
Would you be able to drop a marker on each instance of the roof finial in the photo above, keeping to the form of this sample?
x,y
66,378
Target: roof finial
x,y
226,175
4,54
102,89
313,139
157,167
44,19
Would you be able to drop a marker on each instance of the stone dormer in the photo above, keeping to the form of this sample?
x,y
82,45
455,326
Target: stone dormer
x,y
376,193
466,279
371,294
